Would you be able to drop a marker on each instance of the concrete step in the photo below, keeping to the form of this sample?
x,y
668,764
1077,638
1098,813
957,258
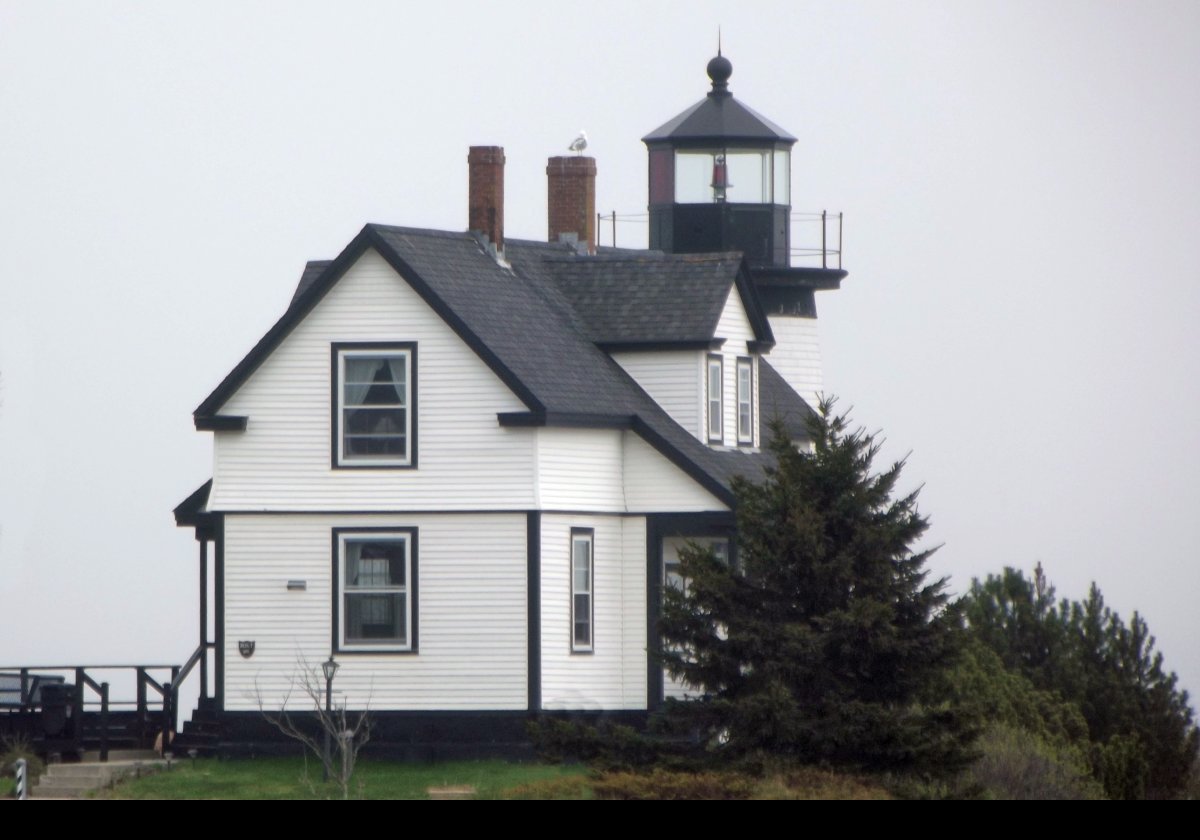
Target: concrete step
x,y
74,780
93,756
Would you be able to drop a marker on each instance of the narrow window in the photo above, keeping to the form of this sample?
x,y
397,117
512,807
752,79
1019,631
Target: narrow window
x,y
581,591
716,426
745,401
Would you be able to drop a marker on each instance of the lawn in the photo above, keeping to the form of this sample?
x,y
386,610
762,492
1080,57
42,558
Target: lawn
x,y
292,778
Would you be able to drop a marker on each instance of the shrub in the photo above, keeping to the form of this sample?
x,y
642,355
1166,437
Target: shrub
x,y
665,784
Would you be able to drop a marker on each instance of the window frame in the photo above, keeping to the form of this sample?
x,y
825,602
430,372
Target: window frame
x,y
717,362
588,536
389,534
745,363
339,352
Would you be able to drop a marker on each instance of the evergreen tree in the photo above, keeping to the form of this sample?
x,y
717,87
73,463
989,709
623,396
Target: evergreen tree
x,y
818,642
1143,739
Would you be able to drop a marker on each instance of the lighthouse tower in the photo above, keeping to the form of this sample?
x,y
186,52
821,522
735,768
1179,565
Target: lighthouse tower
x,y
720,180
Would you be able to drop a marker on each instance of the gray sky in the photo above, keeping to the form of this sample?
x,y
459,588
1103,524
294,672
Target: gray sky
x,y
1021,183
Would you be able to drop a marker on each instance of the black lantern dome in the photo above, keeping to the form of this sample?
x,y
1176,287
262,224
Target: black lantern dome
x,y
720,178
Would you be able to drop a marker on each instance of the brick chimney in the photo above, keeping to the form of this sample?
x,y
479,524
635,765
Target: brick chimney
x,y
485,202
571,201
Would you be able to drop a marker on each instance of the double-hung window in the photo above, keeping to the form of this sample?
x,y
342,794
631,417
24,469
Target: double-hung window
x,y
582,580
374,405
376,588
745,401
716,399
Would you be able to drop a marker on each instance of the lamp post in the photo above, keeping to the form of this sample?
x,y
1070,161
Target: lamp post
x,y
328,668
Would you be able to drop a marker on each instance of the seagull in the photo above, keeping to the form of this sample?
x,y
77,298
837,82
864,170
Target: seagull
x,y
579,143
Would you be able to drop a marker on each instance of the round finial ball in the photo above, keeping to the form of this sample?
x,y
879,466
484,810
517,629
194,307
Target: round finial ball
x,y
720,69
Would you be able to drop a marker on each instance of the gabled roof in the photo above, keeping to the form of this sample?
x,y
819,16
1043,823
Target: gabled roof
x,y
312,270
648,298
562,377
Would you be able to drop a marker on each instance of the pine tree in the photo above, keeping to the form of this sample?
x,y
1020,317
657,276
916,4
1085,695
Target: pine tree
x,y
818,642
1140,723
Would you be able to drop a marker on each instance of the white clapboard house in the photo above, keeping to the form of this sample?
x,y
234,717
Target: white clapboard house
x,y
463,465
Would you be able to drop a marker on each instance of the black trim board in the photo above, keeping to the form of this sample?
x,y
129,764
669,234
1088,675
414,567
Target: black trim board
x,y
650,346
190,513
694,470
219,611
456,512
525,419
533,605
367,238
423,736
220,422
754,311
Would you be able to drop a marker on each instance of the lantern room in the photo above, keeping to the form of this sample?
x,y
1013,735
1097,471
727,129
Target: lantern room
x,y
720,177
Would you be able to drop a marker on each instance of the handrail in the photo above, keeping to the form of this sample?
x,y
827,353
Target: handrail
x,y
92,693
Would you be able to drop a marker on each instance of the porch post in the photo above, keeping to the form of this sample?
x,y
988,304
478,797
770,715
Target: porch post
x,y
204,618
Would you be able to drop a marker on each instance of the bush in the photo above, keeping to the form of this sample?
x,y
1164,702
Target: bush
x,y
665,784
1016,764
564,787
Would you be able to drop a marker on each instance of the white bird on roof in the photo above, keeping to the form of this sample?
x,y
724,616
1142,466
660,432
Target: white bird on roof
x,y
579,143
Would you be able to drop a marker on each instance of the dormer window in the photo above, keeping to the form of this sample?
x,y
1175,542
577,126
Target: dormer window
x,y
716,399
745,401
374,406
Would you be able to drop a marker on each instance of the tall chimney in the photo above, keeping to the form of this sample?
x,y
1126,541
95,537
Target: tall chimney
x,y
485,202
571,201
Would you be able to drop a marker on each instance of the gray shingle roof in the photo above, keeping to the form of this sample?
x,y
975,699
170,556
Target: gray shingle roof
x,y
536,322
312,270
777,399
647,297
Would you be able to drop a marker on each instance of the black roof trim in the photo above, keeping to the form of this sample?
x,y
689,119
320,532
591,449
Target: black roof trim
x,y
760,346
804,277
719,118
367,238
702,476
518,419
754,311
220,422
650,346
190,512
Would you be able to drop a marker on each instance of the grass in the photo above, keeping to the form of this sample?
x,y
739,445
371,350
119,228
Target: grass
x,y
291,778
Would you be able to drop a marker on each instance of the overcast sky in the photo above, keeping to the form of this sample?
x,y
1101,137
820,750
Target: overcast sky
x,y
1021,184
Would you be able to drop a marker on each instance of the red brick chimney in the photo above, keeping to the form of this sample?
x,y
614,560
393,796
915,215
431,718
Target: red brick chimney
x,y
485,202
571,201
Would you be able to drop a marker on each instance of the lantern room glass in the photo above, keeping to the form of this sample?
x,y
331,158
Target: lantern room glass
x,y
729,175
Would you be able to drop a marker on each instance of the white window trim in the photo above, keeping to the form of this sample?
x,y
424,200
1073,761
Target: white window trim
x,y
583,536
715,403
342,352
407,537
745,397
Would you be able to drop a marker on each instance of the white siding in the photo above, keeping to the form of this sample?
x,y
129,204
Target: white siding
x,y
580,469
613,675
675,379
797,356
734,326
654,484
283,462
471,613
